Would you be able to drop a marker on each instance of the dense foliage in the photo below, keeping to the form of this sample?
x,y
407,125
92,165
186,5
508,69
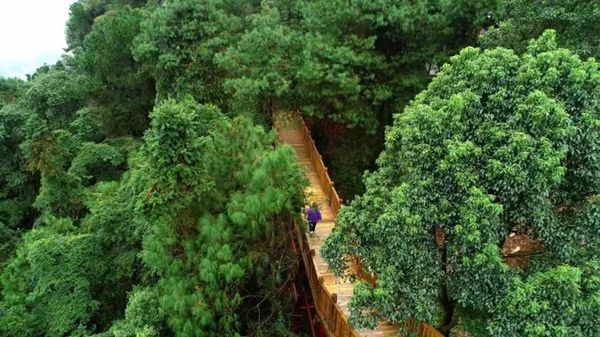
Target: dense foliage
x,y
218,209
103,230
124,90
500,146
364,58
522,20
141,193
180,41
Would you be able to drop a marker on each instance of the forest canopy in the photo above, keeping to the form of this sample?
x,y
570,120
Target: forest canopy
x,y
144,194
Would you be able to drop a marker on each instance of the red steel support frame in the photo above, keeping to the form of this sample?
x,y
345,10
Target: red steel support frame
x,y
310,319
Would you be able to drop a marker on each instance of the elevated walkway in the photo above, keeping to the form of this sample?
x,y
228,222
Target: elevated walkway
x,y
330,293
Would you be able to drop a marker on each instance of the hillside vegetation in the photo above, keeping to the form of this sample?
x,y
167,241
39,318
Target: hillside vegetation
x,y
143,193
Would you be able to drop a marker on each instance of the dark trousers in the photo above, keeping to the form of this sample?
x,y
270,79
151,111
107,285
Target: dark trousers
x,y
312,226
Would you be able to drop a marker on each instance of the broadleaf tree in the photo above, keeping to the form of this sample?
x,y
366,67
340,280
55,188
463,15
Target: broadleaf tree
x,y
483,213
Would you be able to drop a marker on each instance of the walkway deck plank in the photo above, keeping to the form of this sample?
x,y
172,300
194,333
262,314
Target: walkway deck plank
x,y
290,132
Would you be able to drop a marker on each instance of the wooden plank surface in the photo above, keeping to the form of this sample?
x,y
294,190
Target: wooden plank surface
x,y
335,293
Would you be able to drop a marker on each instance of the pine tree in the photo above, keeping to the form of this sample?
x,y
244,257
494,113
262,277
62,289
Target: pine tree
x,y
218,206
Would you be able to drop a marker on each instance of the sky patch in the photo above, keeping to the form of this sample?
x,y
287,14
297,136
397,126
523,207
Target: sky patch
x,y
32,33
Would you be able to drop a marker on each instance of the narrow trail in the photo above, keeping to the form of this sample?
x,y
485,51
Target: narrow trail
x,y
331,294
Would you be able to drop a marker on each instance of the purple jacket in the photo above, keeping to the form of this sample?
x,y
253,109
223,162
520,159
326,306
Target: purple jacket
x,y
313,215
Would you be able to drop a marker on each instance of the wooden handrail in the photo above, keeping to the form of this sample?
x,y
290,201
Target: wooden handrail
x,y
324,302
322,172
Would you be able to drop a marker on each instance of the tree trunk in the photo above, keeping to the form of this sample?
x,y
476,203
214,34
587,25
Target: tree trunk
x,y
450,317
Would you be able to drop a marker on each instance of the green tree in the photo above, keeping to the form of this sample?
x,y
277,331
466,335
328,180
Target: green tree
x,y
123,89
80,272
362,60
54,96
111,221
143,317
522,20
219,206
47,288
180,41
82,16
81,19
10,90
55,129
60,193
484,208
258,80
34,139
17,184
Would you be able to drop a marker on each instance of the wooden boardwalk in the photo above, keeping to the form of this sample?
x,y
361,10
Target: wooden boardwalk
x,y
331,294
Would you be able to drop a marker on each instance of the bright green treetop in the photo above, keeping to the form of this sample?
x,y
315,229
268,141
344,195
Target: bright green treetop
x,y
500,145
259,80
121,86
179,43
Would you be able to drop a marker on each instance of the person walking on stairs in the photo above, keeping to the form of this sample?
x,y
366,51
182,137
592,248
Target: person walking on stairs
x,y
313,215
